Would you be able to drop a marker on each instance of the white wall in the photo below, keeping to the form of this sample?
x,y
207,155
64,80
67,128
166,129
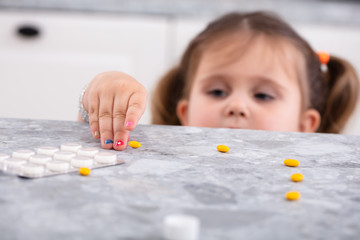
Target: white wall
x,y
42,77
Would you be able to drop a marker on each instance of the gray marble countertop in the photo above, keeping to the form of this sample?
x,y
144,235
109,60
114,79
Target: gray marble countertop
x,y
236,195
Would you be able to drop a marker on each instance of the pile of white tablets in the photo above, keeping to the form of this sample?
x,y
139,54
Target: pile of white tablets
x,y
49,160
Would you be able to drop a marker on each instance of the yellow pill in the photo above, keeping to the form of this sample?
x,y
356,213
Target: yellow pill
x,y
291,162
293,196
134,144
222,148
297,177
84,171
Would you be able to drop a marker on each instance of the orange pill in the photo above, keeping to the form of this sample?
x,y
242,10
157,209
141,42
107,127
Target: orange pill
x,y
297,177
134,144
84,171
223,148
291,162
292,196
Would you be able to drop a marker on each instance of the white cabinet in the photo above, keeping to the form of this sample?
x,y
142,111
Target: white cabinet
x,y
41,77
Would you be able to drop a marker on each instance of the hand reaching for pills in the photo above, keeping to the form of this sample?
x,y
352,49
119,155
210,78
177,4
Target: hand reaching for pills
x,y
115,103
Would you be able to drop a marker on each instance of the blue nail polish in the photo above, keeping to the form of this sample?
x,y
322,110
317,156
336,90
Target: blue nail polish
x,y
107,141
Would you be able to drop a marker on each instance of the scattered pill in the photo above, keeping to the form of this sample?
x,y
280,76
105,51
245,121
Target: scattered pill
x,y
222,148
291,162
181,227
84,171
293,195
297,177
134,144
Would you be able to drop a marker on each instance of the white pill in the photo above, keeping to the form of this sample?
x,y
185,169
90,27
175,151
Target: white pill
x,y
23,153
82,161
40,159
2,159
105,157
32,170
70,147
181,227
47,150
65,156
58,166
12,165
89,151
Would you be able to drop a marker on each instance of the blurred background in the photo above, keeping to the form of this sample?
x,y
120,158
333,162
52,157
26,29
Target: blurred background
x,y
50,49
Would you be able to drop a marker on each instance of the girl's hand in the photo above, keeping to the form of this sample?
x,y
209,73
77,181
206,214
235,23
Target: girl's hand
x,y
115,103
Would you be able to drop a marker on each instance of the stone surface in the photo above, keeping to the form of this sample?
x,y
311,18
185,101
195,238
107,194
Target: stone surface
x,y
236,195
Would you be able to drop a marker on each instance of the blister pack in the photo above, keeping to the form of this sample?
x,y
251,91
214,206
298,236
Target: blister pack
x,y
49,160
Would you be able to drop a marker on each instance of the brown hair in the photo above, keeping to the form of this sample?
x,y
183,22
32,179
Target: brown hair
x,y
333,92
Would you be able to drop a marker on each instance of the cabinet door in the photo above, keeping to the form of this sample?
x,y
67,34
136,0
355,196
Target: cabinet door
x,y
42,76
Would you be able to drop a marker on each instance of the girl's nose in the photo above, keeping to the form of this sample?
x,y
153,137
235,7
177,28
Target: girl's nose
x,y
237,113
237,109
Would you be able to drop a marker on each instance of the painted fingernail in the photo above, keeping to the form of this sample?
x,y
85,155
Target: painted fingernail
x,y
128,124
107,141
119,143
96,133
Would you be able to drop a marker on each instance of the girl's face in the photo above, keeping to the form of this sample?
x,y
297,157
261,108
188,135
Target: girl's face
x,y
258,89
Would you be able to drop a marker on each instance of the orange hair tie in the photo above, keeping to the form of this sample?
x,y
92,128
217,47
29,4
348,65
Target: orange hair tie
x,y
324,57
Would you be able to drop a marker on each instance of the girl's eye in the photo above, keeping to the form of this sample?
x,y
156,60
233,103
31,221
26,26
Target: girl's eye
x,y
263,96
217,93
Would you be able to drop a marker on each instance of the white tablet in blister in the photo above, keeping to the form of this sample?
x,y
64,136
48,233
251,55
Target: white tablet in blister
x,y
47,150
23,153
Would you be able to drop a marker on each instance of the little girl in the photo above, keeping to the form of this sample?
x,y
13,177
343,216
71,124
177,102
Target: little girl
x,y
245,70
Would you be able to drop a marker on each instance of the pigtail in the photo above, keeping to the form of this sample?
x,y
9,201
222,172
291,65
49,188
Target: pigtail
x,y
165,98
342,96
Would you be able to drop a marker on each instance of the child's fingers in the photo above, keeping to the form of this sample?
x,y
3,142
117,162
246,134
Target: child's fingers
x,y
119,113
136,108
94,117
121,139
106,122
